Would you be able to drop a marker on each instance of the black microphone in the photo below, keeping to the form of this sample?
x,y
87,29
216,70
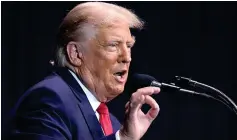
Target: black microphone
x,y
144,80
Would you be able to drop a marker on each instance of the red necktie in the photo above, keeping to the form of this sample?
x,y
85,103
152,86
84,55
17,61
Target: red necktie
x,y
105,119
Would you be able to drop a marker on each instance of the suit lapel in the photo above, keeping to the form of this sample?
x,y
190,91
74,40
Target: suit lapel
x,y
83,103
91,120
115,123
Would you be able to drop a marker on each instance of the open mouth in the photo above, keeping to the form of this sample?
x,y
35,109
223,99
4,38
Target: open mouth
x,y
120,73
120,76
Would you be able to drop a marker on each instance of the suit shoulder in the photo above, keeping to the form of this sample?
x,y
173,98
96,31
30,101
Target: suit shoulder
x,y
52,82
51,92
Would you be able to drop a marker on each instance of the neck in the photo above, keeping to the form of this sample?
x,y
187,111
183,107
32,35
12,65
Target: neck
x,y
88,81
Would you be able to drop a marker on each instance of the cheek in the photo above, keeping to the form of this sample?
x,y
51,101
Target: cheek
x,y
108,62
103,68
101,60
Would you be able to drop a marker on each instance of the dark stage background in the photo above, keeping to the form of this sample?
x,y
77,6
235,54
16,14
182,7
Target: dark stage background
x,y
192,39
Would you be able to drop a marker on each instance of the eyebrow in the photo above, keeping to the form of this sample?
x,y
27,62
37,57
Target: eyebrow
x,y
133,40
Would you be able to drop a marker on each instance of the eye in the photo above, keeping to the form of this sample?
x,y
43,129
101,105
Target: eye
x,y
113,44
129,45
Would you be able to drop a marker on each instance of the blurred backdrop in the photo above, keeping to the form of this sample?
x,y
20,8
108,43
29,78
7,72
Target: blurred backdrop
x,y
192,39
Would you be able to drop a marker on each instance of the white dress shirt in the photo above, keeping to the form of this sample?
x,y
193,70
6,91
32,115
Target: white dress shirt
x,y
93,101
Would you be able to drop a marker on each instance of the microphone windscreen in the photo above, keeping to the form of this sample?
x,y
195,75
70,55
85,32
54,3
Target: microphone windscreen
x,y
142,80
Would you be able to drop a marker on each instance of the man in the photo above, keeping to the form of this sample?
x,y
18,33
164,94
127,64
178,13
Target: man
x,y
92,58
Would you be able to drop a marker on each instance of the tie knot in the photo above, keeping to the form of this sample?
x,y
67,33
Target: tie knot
x,y
103,109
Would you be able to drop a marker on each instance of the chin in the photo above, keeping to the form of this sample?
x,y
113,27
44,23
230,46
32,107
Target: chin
x,y
117,91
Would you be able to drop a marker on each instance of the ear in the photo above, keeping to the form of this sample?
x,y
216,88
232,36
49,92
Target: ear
x,y
74,54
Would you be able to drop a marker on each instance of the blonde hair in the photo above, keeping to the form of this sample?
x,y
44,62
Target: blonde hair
x,y
90,15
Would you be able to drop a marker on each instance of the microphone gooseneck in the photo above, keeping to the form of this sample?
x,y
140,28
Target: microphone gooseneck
x,y
147,80
187,81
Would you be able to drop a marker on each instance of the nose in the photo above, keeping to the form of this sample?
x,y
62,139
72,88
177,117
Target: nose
x,y
125,54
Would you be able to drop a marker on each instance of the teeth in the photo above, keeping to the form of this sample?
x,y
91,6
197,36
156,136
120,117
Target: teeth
x,y
119,76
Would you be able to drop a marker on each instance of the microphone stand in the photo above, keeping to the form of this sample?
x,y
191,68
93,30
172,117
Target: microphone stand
x,y
223,98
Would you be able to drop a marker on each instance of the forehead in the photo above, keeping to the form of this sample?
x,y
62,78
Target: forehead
x,y
115,31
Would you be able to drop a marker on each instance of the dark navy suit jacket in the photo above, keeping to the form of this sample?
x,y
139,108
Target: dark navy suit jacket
x,y
57,109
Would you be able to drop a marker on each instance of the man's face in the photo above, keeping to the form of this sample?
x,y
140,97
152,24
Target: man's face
x,y
107,58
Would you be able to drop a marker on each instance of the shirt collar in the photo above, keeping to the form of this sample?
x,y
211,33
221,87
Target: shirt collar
x,y
93,101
